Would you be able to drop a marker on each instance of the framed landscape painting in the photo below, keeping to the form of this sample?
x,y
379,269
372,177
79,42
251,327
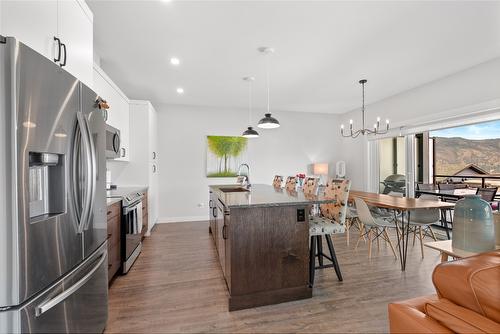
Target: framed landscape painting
x,y
224,155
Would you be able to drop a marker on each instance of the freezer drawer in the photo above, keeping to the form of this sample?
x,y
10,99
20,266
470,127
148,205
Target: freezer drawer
x,y
78,303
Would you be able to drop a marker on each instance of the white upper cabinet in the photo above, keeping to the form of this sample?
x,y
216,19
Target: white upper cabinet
x,y
38,24
144,128
76,33
34,23
119,109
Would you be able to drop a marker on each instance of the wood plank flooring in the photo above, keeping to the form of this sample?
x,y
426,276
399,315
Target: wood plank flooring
x,y
176,285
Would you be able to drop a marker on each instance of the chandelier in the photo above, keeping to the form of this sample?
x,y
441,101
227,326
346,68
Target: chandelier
x,y
364,131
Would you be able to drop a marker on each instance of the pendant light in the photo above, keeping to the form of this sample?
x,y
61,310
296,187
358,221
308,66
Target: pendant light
x,y
268,122
364,131
250,132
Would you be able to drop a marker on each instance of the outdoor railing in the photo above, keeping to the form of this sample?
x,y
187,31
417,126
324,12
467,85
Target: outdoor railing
x,y
472,180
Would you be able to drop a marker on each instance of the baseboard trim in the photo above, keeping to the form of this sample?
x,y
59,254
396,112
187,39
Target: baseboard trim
x,y
167,220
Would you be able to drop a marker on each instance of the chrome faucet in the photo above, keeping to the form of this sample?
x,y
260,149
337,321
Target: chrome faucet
x,y
246,176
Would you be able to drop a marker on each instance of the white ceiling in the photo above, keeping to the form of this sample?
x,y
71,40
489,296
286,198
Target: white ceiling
x,y
322,48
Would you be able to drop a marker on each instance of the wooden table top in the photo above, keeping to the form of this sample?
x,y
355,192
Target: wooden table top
x,y
399,203
445,246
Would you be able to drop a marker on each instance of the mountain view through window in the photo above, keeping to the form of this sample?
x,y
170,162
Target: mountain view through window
x,y
475,147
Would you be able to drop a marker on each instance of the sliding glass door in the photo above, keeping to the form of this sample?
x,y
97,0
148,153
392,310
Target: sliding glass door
x,y
392,165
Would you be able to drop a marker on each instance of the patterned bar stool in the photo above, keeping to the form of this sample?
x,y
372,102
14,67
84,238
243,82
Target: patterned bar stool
x,y
278,181
310,186
291,183
331,220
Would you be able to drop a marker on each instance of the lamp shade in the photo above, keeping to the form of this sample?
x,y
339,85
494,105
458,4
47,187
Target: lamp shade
x,y
268,122
250,133
320,169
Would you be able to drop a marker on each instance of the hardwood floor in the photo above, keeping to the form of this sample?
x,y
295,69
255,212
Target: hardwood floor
x,y
176,285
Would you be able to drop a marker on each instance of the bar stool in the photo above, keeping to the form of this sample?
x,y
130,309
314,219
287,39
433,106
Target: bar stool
x,y
277,181
331,220
310,186
291,183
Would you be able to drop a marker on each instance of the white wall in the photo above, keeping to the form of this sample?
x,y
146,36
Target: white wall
x,y
302,139
469,93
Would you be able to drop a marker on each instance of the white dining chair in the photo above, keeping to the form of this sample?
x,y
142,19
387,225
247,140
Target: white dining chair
x,y
374,227
421,221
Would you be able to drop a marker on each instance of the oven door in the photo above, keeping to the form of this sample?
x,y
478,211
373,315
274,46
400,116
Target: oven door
x,y
131,234
112,142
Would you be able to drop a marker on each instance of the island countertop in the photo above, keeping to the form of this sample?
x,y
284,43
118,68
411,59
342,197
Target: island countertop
x,y
263,195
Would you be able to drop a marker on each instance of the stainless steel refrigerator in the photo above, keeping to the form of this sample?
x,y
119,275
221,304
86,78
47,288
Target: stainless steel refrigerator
x,y
53,249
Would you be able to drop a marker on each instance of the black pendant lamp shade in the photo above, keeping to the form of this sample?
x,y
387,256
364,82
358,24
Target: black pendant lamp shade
x,y
268,122
250,133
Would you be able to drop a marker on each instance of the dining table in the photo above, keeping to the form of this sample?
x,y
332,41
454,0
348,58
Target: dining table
x,y
403,206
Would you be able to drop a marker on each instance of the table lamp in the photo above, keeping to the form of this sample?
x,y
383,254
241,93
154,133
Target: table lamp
x,y
320,169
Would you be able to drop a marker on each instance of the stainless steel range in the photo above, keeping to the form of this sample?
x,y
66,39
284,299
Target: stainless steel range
x,y
131,224
53,249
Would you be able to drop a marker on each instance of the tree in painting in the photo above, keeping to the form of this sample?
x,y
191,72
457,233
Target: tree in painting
x,y
227,151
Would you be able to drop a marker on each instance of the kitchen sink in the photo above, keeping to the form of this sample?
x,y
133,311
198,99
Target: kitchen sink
x,y
234,190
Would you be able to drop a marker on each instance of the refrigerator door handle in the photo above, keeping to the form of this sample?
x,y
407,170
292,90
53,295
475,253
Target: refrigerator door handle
x,y
87,203
47,305
92,174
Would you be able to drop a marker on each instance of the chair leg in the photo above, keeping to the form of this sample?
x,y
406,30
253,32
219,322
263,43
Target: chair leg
x,y
432,233
390,242
378,240
361,236
370,243
320,249
348,224
334,257
421,237
312,261
414,235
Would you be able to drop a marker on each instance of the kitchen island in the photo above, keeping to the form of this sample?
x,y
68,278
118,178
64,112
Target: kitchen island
x,y
262,239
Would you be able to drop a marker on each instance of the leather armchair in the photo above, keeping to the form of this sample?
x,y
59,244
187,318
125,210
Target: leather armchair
x,y
467,300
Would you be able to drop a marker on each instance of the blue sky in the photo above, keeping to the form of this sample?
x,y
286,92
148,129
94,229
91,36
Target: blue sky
x,y
486,130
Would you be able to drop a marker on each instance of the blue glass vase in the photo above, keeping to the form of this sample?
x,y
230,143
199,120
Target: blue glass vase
x,y
473,228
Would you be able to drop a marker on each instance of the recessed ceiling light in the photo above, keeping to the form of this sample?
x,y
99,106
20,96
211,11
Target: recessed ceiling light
x,y
180,90
175,61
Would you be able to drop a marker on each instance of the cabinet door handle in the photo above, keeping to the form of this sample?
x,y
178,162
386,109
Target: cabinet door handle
x,y
154,155
214,210
105,115
58,58
154,168
65,54
224,232
210,203
124,151
109,235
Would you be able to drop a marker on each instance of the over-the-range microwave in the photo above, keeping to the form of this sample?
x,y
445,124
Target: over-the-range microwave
x,y
113,149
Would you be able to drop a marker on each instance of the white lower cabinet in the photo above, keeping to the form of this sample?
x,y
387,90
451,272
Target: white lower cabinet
x,y
119,109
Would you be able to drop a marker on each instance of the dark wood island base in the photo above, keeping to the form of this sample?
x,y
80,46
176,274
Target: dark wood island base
x,y
262,240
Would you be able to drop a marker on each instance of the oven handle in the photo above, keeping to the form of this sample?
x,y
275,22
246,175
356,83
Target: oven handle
x,y
44,307
132,207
